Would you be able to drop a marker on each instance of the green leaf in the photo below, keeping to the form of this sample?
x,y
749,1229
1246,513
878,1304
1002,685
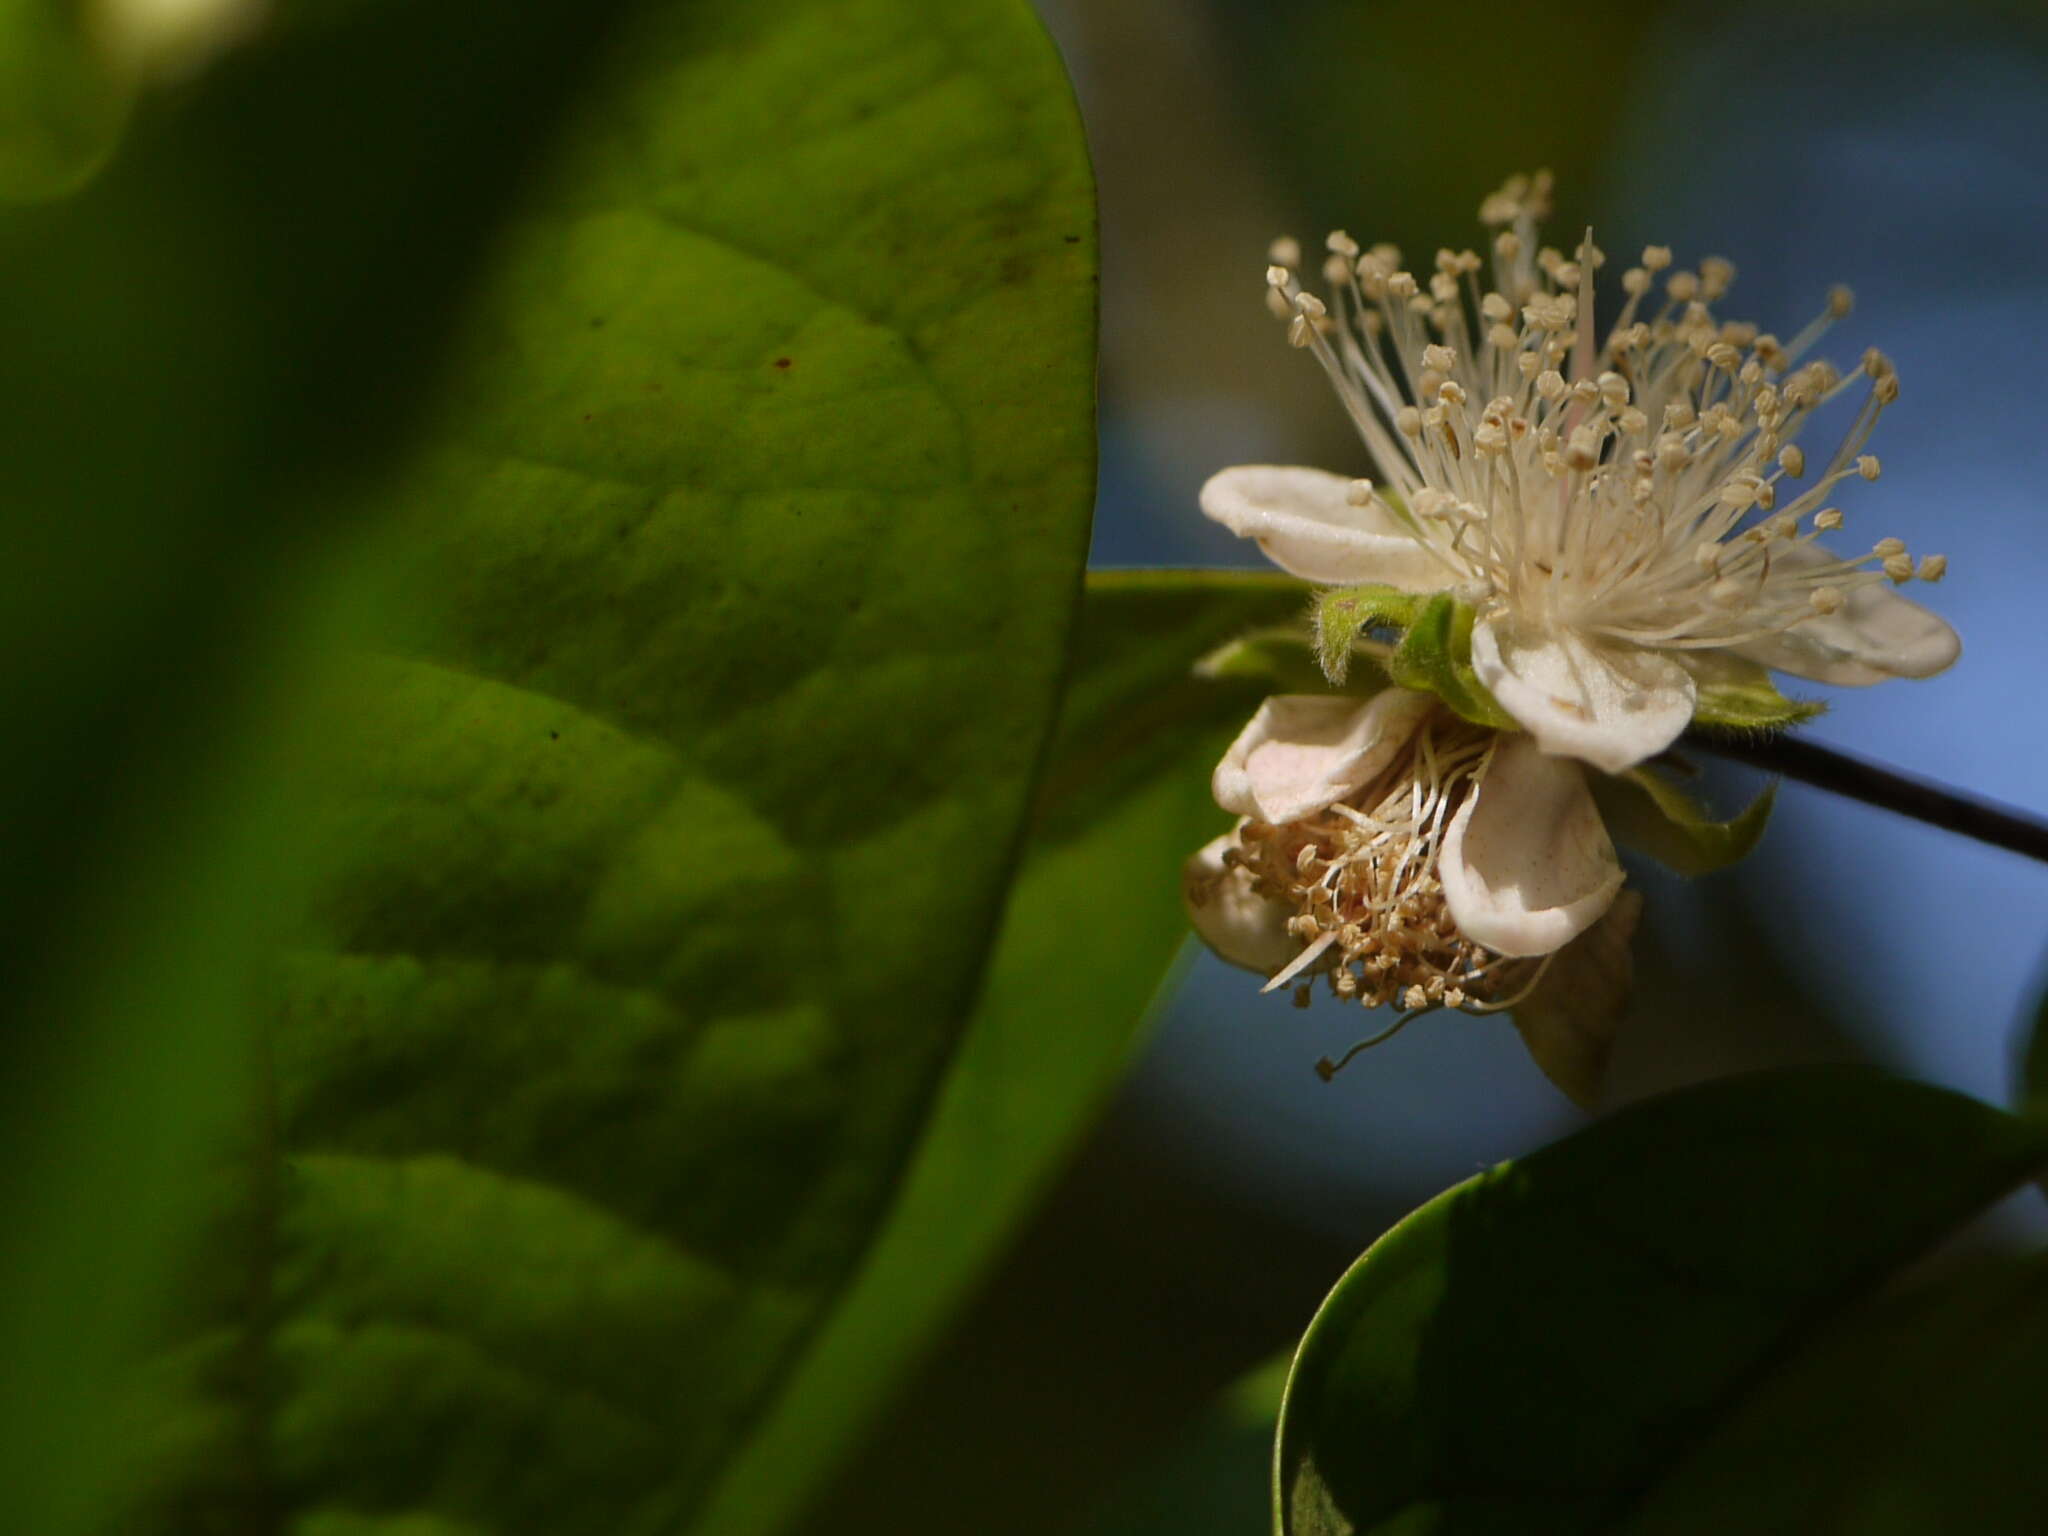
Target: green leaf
x,y
61,99
1531,1351
1436,655
206,342
1646,811
1093,923
1342,614
1737,695
1211,1479
665,833
1917,1412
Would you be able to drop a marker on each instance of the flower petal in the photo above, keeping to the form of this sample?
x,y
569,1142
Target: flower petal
x,y
1304,523
1876,634
1608,705
1527,865
1233,919
1303,751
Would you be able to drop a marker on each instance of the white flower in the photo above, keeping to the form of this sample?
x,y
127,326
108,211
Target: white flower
x,y
1413,857
1626,518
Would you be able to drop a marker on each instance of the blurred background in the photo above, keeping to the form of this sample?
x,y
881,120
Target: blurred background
x,y
1893,147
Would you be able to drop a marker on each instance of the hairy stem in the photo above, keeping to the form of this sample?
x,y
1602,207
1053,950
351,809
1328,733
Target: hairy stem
x,y
1825,768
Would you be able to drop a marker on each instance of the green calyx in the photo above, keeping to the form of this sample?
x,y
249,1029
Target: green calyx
x,y
1737,695
1646,811
1433,654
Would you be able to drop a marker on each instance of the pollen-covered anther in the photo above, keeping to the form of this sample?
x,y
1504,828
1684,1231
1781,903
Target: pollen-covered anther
x,y
1932,567
1868,467
1827,599
1899,568
1360,879
1582,451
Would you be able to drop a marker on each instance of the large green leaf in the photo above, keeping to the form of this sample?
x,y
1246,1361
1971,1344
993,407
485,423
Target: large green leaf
x,y
241,308
1920,1412
1531,1351
1093,922
61,100
664,831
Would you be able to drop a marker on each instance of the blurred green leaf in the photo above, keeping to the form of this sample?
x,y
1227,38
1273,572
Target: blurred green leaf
x,y
663,834
61,103
1532,1350
1919,1412
1093,922
203,346
1213,1478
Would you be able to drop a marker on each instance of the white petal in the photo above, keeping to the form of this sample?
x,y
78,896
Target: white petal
x,y
1303,522
1608,705
1234,920
1527,865
1876,634
1303,751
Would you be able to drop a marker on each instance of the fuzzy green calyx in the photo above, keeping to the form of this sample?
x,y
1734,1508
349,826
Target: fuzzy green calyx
x,y
1433,654
1342,614
1738,695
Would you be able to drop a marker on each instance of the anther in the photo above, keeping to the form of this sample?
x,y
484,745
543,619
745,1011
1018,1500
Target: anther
x,y
1933,567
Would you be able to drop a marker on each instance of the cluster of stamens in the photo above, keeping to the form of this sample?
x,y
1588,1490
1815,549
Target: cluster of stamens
x,y
1645,488
1361,880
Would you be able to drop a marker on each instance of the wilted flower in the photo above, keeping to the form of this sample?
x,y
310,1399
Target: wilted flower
x,y
1587,546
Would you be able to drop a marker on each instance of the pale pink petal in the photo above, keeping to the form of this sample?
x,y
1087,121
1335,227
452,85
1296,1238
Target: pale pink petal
x,y
1606,704
1527,865
1304,523
1876,634
1235,921
1304,751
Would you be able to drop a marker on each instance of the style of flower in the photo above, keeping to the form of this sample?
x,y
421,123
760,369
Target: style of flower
x,y
1621,525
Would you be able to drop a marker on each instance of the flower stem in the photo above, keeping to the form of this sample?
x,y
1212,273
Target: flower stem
x,y
1825,768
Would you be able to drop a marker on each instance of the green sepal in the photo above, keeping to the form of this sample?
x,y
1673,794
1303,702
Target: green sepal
x,y
1281,663
1737,695
1435,655
1649,813
1341,614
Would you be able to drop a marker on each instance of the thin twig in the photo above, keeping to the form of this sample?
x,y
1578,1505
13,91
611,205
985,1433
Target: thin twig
x,y
1825,768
